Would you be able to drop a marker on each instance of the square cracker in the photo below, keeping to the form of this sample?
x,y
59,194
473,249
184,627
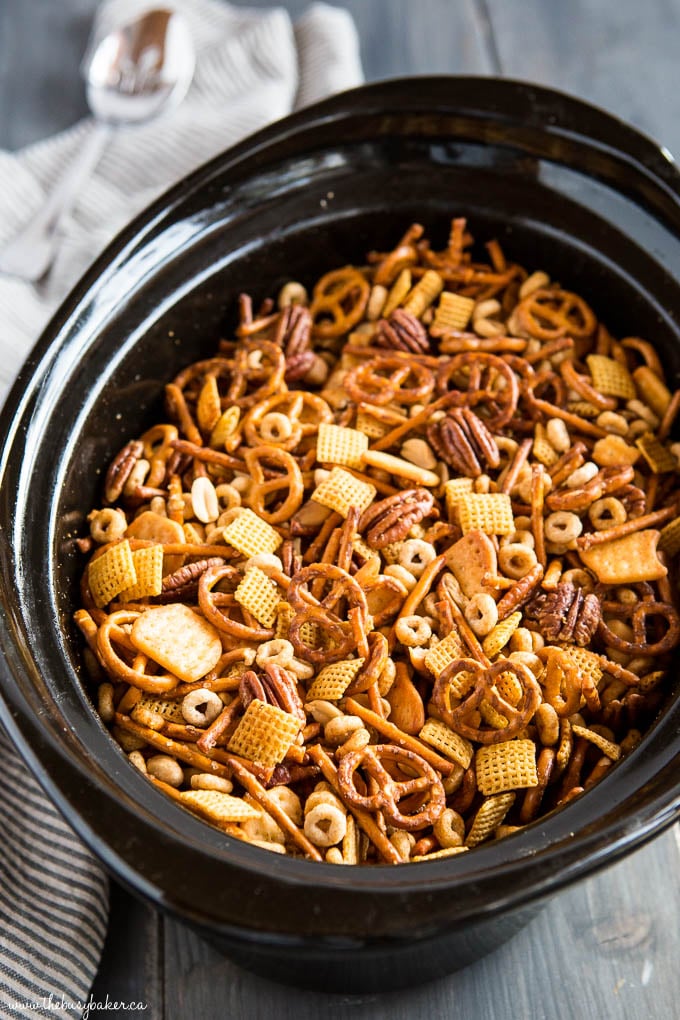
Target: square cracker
x,y
627,560
218,807
264,733
251,535
339,445
506,766
178,639
111,573
341,491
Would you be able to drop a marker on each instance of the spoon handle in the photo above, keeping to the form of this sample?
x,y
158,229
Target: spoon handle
x,y
30,254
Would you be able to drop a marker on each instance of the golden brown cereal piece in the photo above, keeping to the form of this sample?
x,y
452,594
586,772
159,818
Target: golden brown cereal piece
x,y
170,710
218,807
177,638
626,560
583,408
653,391
364,550
427,290
400,288
225,427
501,634
445,651
338,445
436,854
401,468
453,313
471,559
341,491
151,527
208,407
148,564
669,538
542,450
611,378
453,491
333,680
251,535
440,736
506,766
658,456
490,512
612,750
613,451
264,734
370,426
259,595
111,573
490,814
284,616
587,662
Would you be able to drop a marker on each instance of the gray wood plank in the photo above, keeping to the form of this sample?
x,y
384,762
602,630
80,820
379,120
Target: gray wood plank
x,y
620,55
41,44
604,949
131,969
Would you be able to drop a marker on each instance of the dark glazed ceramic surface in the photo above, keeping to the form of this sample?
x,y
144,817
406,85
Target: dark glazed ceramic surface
x,y
564,187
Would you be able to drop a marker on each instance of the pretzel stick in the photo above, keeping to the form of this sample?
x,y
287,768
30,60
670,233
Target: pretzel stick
x,y
518,462
397,736
468,636
209,456
319,543
258,793
218,726
627,528
231,828
423,586
186,754
568,462
383,414
520,592
575,420
357,620
364,818
176,400
537,500
384,488
669,417
563,343
418,419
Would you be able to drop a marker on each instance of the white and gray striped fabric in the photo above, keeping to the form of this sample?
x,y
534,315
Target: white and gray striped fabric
x,y
252,68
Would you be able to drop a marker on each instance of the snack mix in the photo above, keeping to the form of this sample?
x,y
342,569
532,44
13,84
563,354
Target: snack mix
x,y
392,579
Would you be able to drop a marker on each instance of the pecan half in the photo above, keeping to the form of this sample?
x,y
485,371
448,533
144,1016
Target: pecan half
x,y
281,686
298,365
276,687
403,332
391,519
183,583
250,688
121,469
464,442
566,614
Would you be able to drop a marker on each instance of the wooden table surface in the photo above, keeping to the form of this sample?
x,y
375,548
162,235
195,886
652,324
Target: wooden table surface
x,y
606,949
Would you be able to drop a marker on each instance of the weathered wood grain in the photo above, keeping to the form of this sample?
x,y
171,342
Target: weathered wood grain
x,y
602,950
41,45
619,54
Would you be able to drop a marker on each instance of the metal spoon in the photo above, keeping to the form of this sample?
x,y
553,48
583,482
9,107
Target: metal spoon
x,y
135,72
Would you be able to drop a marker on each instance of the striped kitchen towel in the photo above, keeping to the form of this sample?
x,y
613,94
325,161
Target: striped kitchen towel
x,y
252,67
